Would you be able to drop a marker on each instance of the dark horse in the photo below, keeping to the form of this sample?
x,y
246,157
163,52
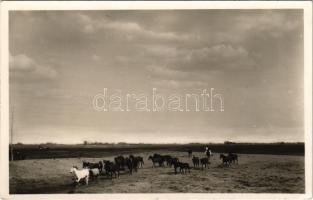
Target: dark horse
x,y
204,162
90,165
195,161
157,159
183,167
226,160
120,162
112,168
140,161
233,157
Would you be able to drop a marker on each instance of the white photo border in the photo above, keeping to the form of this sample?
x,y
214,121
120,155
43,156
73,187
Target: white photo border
x,y
153,5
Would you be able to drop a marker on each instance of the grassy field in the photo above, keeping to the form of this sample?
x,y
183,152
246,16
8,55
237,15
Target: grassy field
x,y
255,173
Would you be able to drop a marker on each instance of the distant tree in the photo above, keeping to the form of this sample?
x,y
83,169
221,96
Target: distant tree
x,y
281,143
122,143
228,142
85,142
50,143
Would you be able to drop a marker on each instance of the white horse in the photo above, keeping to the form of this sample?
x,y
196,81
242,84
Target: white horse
x,y
208,152
94,172
80,174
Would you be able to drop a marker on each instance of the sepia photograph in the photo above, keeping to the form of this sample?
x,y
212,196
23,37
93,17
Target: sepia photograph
x,y
162,100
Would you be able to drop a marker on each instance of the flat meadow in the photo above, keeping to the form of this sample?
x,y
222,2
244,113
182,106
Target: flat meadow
x,y
255,173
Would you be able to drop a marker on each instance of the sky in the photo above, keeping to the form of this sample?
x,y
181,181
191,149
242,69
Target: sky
x,y
60,60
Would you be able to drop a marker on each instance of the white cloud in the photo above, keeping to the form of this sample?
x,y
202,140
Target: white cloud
x,y
21,62
218,57
165,72
22,65
174,84
131,29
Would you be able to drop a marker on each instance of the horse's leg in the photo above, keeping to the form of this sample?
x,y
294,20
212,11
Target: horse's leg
x,y
86,180
77,181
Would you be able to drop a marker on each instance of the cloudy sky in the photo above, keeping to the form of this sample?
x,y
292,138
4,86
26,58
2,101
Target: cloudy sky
x,y
59,60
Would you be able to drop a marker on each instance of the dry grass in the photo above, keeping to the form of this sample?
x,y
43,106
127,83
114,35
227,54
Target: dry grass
x,y
253,174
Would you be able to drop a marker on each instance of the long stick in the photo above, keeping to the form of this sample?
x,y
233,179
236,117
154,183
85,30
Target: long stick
x,y
11,133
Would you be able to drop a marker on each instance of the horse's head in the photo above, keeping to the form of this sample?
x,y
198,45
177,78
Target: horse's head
x,y
73,169
221,156
150,158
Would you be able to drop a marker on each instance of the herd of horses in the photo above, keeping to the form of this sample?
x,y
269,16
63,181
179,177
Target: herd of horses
x,y
132,163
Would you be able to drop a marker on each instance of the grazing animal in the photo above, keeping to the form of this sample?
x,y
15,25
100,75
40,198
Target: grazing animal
x,y
158,159
172,161
120,161
204,162
226,160
189,152
90,165
208,152
233,158
183,167
112,168
95,172
103,163
167,159
176,166
82,174
135,162
156,155
129,165
140,161
195,161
